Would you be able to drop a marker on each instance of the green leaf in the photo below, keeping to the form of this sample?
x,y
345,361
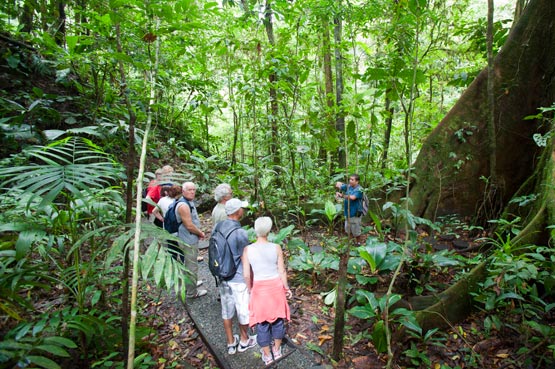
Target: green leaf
x,y
14,345
24,242
96,297
362,312
13,61
510,295
374,253
330,297
71,42
409,320
148,259
369,259
123,57
60,341
43,362
366,280
53,349
378,337
313,347
393,299
169,270
159,269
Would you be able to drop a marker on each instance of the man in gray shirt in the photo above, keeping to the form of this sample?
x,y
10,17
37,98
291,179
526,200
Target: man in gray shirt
x,y
189,232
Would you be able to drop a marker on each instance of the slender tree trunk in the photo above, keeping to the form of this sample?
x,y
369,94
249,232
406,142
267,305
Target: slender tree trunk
x,y
389,111
137,239
339,321
328,78
26,18
60,35
491,97
407,135
274,106
130,169
340,114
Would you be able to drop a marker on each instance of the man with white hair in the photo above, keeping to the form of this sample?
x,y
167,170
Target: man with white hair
x,y
189,232
234,295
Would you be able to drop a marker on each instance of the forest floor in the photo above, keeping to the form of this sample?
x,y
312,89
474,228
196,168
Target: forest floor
x,y
177,344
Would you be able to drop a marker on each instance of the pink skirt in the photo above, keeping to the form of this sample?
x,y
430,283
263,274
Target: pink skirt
x,y
268,302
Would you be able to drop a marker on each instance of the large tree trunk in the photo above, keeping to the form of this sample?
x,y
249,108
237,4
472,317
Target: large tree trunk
x,y
524,73
457,150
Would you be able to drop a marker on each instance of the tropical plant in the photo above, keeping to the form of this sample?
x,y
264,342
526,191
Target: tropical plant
x,y
518,293
65,228
329,214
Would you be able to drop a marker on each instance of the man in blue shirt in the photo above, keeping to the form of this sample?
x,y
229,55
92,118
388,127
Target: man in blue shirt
x,y
352,205
234,294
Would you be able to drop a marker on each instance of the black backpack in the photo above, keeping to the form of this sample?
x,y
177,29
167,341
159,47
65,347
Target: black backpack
x,y
171,220
220,259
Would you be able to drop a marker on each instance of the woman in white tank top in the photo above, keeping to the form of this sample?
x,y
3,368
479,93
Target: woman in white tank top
x,y
266,278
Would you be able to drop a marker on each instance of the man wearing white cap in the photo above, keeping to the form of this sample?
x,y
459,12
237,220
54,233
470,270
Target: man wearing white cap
x,y
234,294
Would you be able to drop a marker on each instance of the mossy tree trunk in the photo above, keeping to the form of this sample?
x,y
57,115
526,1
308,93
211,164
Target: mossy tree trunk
x,y
454,162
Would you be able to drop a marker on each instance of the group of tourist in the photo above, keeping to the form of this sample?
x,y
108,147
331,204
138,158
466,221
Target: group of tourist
x,y
258,291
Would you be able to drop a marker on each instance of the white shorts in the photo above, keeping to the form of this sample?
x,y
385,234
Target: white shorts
x,y
235,299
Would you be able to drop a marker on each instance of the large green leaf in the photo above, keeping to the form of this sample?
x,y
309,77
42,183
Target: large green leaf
x,y
374,253
379,337
71,165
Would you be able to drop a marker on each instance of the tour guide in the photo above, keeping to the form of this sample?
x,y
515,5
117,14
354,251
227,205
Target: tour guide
x,y
352,205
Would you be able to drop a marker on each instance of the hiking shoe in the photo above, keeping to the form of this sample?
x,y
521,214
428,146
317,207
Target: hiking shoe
x,y
277,353
266,359
199,293
232,348
247,345
199,283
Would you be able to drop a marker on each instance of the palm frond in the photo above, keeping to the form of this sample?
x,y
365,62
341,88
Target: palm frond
x,y
70,165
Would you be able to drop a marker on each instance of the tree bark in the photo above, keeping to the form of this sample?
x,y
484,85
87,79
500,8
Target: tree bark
x,y
457,150
274,108
452,305
328,77
340,115
26,17
389,110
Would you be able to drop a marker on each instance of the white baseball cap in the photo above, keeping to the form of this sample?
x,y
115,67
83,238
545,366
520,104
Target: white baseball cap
x,y
232,205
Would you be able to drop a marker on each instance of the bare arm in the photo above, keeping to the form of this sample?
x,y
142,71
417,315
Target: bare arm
x,y
187,220
156,212
282,272
246,268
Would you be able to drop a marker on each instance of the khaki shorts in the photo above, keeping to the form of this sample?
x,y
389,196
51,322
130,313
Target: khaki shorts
x,y
352,226
235,299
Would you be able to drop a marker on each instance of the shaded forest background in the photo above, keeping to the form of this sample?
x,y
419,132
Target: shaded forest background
x,y
279,99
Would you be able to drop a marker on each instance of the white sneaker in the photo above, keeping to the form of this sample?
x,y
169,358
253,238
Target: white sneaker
x,y
232,348
247,345
199,283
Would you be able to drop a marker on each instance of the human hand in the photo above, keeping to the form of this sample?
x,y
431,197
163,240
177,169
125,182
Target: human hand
x,y
288,293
